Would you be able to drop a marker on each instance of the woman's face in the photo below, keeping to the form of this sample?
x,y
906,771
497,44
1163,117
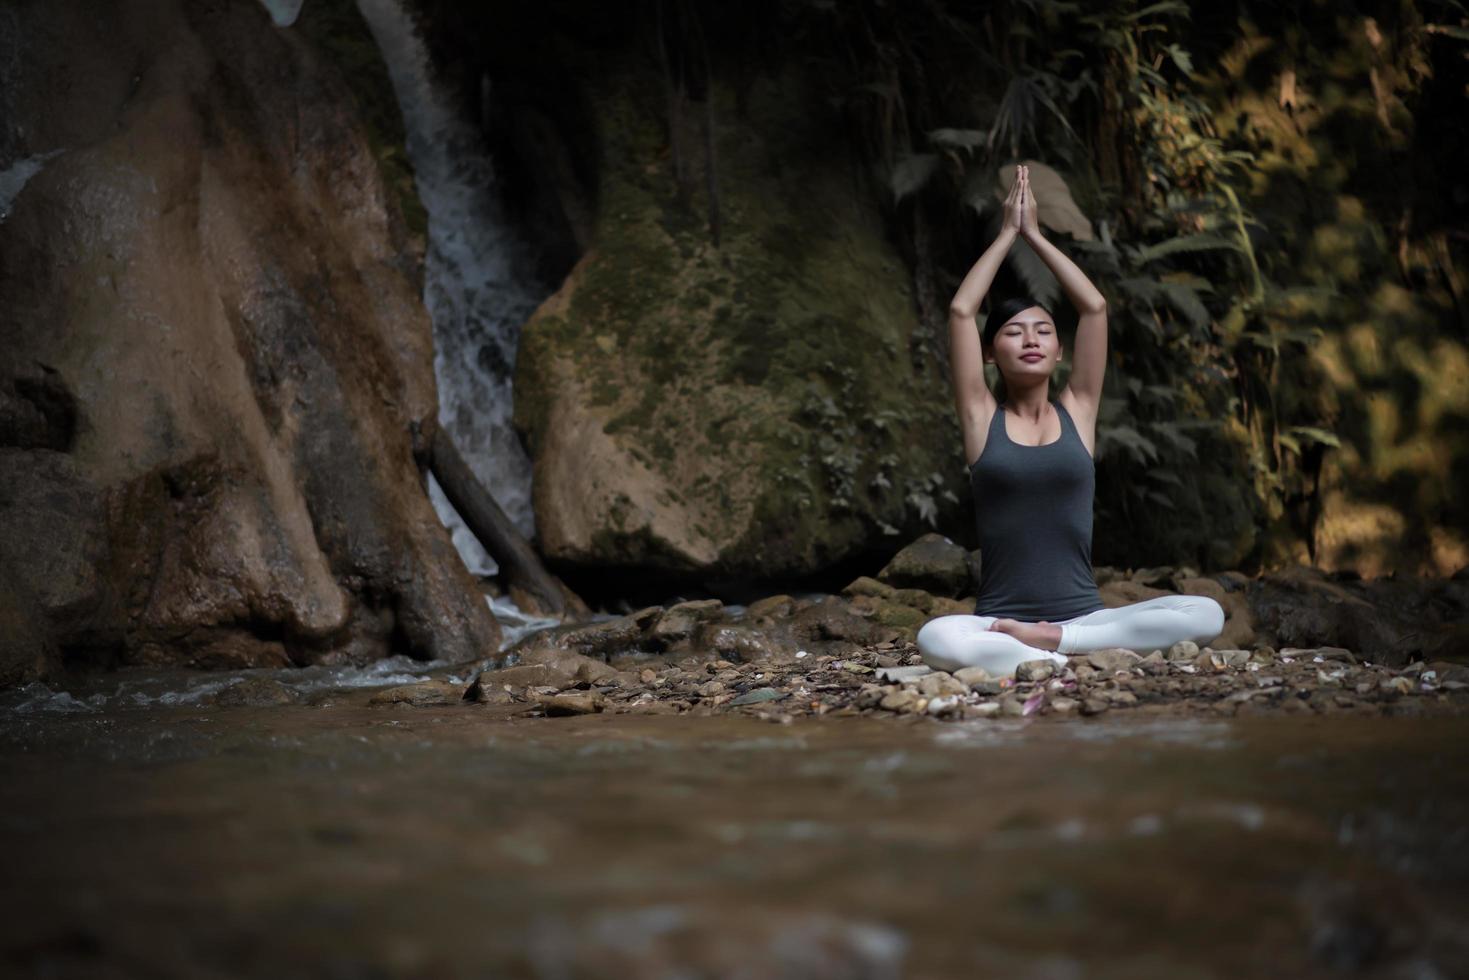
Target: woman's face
x,y
1026,345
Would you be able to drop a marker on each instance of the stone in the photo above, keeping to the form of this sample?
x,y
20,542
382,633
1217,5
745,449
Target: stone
x,y
740,642
1184,650
1093,706
938,684
971,675
901,700
1239,621
758,696
1012,707
711,689
943,705
572,703
1112,660
257,692
903,674
518,677
662,392
932,563
678,621
1035,670
771,606
422,694
865,586
985,709
1064,706
832,619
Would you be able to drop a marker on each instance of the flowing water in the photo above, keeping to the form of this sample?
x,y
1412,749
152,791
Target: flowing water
x,y
479,286
156,836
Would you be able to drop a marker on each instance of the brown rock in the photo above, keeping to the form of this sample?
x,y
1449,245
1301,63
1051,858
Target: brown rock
x,y
572,703
678,621
932,563
421,694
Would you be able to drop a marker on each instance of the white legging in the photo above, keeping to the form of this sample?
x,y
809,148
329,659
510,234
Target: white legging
x,y
952,642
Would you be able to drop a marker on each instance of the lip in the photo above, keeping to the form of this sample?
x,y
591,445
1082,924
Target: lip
x,y
1032,357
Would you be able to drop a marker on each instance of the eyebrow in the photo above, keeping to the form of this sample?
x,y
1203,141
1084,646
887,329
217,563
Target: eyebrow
x,y
1021,323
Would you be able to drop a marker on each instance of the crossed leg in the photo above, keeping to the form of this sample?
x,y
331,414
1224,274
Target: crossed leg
x,y
954,642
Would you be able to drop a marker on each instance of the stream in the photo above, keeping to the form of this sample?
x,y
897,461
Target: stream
x,y
167,837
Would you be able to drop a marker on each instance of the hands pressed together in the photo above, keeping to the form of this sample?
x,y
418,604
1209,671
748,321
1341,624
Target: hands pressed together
x,y
1021,209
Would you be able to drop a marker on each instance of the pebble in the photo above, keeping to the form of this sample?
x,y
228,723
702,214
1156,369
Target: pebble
x,y
1035,670
901,674
970,676
903,699
940,684
1183,650
1113,660
572,703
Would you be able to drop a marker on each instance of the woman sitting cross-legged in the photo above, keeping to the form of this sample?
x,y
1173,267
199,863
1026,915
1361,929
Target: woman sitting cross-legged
x,y
1033,479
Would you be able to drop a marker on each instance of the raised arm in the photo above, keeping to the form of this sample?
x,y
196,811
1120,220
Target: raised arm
x,y
1089,351
972,397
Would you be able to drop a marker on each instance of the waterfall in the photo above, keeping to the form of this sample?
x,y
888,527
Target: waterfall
x,y
478,285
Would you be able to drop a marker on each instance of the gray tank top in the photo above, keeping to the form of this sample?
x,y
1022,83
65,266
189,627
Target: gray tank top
x,y
1034,507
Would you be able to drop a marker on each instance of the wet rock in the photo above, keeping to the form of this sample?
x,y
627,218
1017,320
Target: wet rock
x,y
1325,653
739,642
1124,592
985,709
833,619
257,692
678,622
934,564
1093,706
1064,706
572,703
612,636
1012,706
519,677
422,694
578,666
770,607
759,695
1110,661
1035,670
711,689
871,587
905,618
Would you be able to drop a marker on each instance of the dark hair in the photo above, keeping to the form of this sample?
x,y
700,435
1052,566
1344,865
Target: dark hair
x,y
1002,313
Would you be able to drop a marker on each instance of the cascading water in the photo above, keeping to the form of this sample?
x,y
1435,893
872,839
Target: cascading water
x,y
478,286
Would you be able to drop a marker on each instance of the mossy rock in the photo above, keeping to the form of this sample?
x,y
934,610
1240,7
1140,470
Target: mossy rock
x,y
746,406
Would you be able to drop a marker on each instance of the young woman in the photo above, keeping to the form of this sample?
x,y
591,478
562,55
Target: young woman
x,y
1031,469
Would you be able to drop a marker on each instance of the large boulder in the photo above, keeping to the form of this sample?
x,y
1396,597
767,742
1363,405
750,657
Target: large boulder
x,y
932,563
218,369
747,406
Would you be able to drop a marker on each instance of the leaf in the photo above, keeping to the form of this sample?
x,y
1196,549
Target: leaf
x,y
964,139
1202,242
1186,302
1130,440
1310,434
911,173
1057,208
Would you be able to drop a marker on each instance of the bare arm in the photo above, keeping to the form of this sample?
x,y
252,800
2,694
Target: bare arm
x,y
972,397
1089,356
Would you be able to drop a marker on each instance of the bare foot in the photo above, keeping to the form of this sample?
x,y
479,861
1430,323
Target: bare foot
x,y
1042,635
